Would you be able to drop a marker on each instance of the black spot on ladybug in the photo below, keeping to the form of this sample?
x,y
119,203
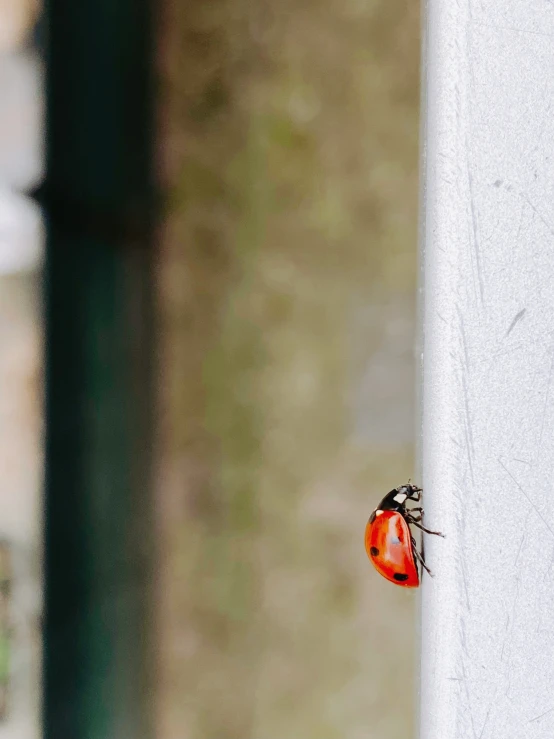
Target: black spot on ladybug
x,y
400,576
374,551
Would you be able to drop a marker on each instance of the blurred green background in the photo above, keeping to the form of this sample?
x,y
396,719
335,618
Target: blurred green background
x,y
287,297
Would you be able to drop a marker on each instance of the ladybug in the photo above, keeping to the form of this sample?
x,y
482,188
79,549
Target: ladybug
x,y
388,540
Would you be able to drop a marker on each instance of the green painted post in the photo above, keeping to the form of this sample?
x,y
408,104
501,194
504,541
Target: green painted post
x,y
99,204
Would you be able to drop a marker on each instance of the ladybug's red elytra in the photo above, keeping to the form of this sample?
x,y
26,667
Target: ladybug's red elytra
x,y
388,540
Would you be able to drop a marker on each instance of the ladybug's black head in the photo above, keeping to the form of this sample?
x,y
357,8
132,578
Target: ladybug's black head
x,y
396,499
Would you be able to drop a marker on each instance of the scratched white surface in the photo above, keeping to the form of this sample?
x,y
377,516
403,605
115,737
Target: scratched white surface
x,y
488,395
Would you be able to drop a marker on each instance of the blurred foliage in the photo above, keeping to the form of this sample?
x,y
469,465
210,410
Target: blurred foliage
x,y
291,142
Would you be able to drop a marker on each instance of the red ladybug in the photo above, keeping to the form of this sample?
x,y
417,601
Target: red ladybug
x,y
388,540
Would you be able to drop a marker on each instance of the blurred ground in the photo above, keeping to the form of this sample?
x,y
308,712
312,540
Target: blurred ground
x,y
287,373
287,377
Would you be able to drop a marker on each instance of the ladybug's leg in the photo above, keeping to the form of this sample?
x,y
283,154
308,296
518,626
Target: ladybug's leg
x,y
416,522
419,557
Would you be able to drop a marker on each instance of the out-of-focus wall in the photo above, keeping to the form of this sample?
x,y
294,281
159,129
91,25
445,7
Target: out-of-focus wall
x,y
20,372
287,294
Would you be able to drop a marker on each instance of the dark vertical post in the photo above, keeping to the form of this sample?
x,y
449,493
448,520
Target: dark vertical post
x,y
98,198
